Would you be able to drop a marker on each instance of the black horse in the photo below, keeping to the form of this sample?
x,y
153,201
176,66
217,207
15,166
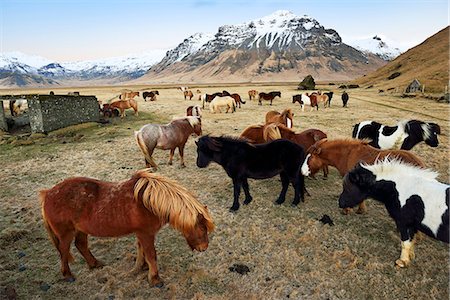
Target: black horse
x,y
268,96
242,160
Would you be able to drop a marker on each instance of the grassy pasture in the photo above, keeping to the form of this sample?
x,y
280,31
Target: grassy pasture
x,y
290,253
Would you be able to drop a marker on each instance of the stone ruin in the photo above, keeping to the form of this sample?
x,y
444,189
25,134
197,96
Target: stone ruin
x,y
50,112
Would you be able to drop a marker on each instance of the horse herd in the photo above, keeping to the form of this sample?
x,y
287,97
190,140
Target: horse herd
x,y
78,207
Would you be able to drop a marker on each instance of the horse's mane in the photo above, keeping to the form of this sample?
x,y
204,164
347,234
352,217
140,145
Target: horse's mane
x,y
287,113
170,201
272,132
193,120
390,166
216,143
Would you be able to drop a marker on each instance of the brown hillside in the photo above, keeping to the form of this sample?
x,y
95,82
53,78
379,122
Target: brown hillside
x,y
428,62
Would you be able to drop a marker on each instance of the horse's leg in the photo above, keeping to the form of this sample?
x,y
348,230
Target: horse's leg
x,y
407,237
299,189
64,250
181,151
81,242
259,102
172,151
285,184
147,241
325,172
248,197
271,101
140,260
236,192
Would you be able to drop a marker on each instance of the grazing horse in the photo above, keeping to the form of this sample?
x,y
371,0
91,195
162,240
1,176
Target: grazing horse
x,y
322,98
15,106
189,94
194,110
183,88
108,111
268,96
207,98
242,160
125,104
237,98
128,95
412,196
252,94
407,133
306,99
167,137
80,206
285,117
219,102
344,154
151,95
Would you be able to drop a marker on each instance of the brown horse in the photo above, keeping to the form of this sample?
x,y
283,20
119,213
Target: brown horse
x,y
252,94
128,95
322,98
194,110
189,94
125,104
151,95
253,134
344,155
285,117
167,137
268,96
80,206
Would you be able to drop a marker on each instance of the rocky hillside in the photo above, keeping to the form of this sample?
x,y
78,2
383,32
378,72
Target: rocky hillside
x,y
428,62
278,47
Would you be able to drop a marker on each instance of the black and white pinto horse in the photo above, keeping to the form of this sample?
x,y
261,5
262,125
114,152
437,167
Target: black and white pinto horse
x,y
406,133
412,196
242,160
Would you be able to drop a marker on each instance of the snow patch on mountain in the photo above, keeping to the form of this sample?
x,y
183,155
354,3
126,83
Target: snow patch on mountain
x,y
378,45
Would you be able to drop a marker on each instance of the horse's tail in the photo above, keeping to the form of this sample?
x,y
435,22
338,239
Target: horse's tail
x,y
301,181
240,100
53,237
271,132
169,201
142,146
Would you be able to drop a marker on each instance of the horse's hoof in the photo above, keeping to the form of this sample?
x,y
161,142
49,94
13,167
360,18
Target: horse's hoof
x,y
279,202
247,201
169,163
183,166
69,279
293,204
159,284
233,209
346,211
97,264
401,263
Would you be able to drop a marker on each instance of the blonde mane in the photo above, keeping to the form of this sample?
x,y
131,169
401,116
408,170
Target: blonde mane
x,y
170,201
193,120
271,132
394,166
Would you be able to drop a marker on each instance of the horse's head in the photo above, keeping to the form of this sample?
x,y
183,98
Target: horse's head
x,y
431,130
197,126
355,187
206,149
313,162
197,237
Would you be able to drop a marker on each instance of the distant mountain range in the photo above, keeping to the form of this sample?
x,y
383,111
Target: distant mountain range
x,y
280,47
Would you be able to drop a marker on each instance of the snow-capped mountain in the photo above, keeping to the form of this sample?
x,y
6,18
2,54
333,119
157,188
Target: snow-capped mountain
x,y
269,47
114,69
377,45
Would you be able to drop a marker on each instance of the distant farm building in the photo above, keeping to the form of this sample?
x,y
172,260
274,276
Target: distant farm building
x,y
50,112
414,87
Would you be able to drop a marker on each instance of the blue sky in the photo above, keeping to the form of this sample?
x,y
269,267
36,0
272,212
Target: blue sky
x,y
89,29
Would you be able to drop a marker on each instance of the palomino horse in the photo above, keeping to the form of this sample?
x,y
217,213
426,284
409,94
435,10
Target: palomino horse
x,y
322,98
285,117
167,137
412,196
125,104
268,96
128,95
80,206
344,154
241,161
219,102
187,94
252,94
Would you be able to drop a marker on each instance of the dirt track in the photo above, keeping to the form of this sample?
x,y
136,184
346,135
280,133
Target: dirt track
x,y
288,251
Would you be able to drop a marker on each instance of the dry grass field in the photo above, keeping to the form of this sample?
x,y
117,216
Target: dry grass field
x,y
290,253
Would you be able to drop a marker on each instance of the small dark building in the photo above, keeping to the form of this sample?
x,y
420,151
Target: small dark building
x,y
414,87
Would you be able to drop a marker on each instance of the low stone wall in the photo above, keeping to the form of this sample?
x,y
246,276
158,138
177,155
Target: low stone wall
x,y
3,125
51,112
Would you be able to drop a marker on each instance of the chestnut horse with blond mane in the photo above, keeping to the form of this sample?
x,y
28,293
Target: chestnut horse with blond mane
x,y
81,206
285,117
345,154
167,137
122,105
